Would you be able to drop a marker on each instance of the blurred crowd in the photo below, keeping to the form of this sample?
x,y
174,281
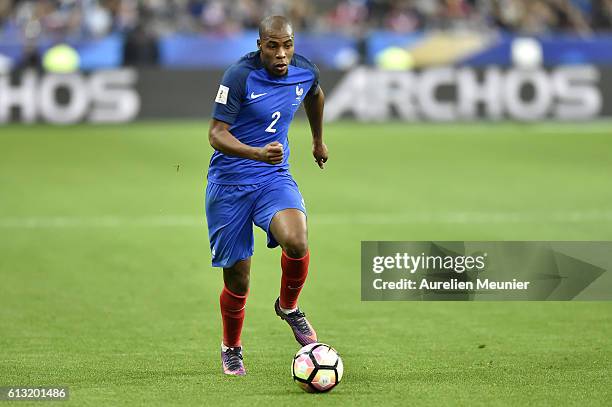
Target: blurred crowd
x,y
31,19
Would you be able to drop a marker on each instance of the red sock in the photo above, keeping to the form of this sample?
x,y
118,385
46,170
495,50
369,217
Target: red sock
x,y
232,314
292,280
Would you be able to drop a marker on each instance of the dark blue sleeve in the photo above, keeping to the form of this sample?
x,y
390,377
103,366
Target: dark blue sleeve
x,y
303,62
230,94
315,85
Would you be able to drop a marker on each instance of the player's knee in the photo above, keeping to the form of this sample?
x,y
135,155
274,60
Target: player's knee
x,y
296,246
238,284
237,279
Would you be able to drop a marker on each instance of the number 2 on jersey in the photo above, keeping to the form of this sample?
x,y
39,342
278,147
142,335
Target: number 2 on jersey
x,y
270,129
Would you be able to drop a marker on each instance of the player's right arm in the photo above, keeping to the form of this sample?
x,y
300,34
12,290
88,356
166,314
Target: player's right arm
x,y
227,107
223,141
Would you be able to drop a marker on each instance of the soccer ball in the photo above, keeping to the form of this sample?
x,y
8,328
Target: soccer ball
x,y
317,368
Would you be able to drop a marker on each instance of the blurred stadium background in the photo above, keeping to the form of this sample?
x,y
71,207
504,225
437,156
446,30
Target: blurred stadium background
x,y
432,60
106,279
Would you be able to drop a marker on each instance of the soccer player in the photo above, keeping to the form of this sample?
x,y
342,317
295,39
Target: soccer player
x,y
249,180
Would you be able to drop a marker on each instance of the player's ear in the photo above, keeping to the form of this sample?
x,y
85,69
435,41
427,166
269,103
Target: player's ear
x,y
258,44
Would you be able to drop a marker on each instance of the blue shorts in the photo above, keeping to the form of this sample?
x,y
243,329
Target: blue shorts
x,y
231,211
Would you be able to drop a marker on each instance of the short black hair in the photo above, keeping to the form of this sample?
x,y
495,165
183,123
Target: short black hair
x,y
274,23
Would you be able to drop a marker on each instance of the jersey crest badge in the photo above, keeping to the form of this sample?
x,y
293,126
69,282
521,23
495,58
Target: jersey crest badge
x,y
298,95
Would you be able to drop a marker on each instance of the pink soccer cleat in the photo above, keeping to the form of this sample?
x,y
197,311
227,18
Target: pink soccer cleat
x,y
232,362
302,330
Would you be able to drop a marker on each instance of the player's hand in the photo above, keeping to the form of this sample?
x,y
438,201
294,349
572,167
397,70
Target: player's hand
x,y
271,153
319,151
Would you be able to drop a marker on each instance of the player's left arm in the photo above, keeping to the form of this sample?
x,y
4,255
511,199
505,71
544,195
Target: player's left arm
x,y
313,104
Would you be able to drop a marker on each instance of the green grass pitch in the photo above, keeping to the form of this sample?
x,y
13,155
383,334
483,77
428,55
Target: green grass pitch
x,y
106,284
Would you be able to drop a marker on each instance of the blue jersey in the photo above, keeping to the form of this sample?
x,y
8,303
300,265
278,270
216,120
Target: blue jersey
x,y
259,108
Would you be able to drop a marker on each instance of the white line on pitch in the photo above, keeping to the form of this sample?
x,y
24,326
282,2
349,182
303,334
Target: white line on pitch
x,y
364,218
